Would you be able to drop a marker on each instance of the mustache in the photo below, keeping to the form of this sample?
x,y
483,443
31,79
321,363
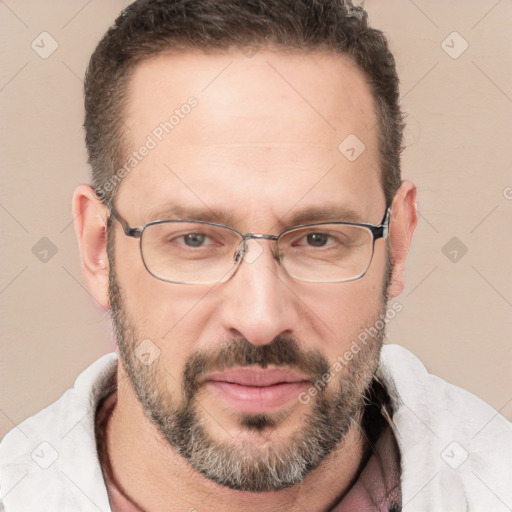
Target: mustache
x,y
281,351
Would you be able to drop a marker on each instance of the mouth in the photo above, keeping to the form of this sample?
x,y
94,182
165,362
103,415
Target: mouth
x,y
254,390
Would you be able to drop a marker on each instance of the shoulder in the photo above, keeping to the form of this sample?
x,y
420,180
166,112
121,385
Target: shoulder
x,y
51,452
455,447
442,405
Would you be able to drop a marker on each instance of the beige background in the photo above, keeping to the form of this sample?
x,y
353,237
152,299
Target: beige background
x,y
457,315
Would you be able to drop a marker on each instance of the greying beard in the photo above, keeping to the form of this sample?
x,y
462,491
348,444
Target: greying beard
x,y
247,467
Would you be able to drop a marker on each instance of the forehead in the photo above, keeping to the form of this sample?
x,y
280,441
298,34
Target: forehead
x,y
261,132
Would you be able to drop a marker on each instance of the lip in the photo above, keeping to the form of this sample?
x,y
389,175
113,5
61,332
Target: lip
x,y
256,390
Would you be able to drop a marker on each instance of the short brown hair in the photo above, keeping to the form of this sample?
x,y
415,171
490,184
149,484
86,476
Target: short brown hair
x,y
150,27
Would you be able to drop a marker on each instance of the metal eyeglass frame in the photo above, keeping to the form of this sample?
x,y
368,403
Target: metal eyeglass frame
x,y
378,231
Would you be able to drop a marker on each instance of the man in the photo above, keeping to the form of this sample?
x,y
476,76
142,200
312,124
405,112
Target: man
x,y
246,227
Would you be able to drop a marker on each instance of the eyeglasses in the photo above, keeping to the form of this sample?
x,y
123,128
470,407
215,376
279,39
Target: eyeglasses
x,y
197,252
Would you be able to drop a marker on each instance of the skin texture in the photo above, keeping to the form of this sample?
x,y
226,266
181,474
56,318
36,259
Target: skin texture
x,y
259,150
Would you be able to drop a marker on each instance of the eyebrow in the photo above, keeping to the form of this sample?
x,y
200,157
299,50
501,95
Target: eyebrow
x,y
186,213
310,215
326,213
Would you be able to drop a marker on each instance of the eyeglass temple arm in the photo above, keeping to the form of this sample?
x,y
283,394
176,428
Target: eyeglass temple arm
x,y
382,230
128,230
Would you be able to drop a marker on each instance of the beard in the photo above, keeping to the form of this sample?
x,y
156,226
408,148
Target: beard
x,y
262,463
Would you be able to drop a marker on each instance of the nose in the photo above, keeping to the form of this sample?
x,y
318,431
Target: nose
x,y
258,302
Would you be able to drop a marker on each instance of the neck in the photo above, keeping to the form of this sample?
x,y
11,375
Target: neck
x,y
154,477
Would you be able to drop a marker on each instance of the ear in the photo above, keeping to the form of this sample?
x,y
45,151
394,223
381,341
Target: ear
x,y
403,222
90,222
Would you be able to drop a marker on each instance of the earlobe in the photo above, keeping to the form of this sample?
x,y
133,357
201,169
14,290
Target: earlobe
x,y
90,222
403,222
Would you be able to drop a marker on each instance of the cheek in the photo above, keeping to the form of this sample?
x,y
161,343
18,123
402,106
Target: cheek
x,y
155,306
338,313
172,316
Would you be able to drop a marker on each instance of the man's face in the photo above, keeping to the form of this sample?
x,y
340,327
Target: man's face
x,y
260,151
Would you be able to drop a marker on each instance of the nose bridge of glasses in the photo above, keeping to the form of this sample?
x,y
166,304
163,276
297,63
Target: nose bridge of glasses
x,y
259,236
241,250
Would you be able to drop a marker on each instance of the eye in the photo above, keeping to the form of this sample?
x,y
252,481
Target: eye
x,y
183,240
194,239
322,239
317,239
